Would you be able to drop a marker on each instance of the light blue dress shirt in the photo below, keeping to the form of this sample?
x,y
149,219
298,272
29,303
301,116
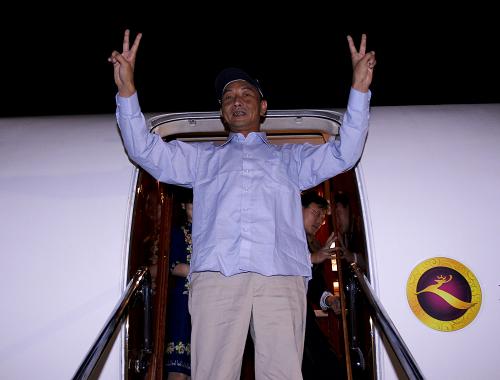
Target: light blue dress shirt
x,y
247,214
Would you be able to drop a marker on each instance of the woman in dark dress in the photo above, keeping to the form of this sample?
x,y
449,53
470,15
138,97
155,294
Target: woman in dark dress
x,y
178,344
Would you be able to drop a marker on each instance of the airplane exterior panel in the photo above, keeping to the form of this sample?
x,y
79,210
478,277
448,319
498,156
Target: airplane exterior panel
x,y
66,188
431,184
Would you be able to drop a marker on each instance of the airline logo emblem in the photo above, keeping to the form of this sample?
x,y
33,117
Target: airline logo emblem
x,y
444,294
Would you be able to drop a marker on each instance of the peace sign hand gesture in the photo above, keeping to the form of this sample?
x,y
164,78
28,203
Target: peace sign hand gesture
x,y
124,63
362,65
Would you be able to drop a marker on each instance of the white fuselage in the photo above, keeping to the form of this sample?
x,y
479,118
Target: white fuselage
x,y
429,184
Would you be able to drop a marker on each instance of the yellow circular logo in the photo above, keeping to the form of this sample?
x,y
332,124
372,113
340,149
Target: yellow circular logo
x,y
444,294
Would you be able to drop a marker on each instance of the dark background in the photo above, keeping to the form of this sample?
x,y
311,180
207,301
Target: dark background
x,y
54,59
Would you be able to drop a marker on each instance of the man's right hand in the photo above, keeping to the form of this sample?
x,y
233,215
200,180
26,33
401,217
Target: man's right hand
x,y
123,65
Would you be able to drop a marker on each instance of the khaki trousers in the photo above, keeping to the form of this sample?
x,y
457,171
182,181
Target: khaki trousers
x,y
222,310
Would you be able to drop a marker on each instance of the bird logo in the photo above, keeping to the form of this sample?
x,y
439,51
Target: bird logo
x,y
443,293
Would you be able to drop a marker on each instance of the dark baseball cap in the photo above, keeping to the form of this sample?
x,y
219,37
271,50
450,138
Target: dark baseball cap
x,y
230,75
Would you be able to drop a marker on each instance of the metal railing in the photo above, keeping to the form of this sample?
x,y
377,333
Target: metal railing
x,y
139,286
387,328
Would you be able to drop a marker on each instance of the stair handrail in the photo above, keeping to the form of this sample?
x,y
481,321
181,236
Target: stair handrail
x,y
139,285
387,327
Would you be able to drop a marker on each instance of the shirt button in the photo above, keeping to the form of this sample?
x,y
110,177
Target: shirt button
x,y
246,170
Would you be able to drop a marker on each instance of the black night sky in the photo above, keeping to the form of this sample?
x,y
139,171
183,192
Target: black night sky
x,y
54,61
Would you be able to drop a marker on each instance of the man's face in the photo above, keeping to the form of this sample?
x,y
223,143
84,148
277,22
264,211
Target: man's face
x,y
242,108
313,216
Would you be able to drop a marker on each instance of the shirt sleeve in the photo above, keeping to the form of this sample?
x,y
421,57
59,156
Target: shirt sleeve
x,y
322,301
173,162
318,163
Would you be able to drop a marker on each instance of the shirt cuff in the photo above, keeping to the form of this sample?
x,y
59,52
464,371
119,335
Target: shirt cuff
x,y
359,100
128,106
322,300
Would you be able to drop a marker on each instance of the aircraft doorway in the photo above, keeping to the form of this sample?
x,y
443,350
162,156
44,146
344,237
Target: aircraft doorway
x,y
157,209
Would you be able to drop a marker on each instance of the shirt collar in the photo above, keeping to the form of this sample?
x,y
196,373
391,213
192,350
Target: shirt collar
x,y
251,137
